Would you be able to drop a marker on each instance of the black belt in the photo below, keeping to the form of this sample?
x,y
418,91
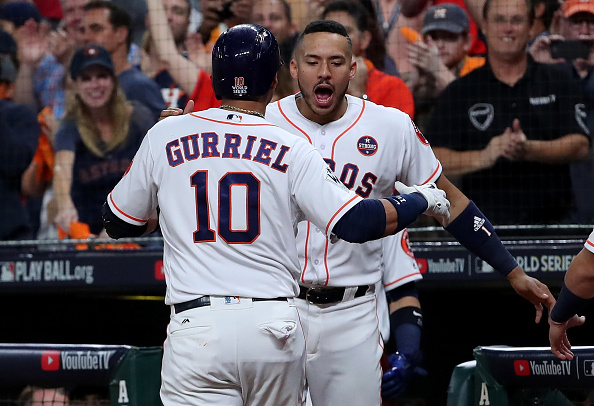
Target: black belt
x,y
205,301
329,295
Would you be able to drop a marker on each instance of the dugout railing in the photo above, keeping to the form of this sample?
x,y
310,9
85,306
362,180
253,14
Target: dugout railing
x,y
38,266
131,374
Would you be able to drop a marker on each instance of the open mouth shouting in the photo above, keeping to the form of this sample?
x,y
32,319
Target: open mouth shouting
x,y
324,95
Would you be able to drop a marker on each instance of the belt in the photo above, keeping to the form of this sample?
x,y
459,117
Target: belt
x,y
331,295
205,301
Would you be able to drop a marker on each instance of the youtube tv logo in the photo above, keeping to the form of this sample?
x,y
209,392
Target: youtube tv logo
x,y
521,367
50,360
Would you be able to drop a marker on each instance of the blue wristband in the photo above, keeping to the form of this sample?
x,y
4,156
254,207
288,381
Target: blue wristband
x,y
474,231
409,207
567,305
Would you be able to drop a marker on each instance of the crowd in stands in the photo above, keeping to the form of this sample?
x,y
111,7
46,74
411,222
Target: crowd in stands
x,y
81,81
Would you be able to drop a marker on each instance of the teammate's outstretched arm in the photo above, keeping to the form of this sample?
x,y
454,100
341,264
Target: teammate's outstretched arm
x,y
365,221
577,290
475,232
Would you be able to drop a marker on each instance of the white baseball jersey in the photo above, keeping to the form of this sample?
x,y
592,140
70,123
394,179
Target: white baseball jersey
x,y
231,189
399,267
589,244
369,148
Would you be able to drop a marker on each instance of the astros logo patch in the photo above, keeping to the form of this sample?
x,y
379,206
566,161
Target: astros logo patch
x,y
420,135
406,244
367,145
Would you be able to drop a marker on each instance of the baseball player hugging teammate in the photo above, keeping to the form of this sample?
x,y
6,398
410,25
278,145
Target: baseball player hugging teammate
x,y
231,189
370,148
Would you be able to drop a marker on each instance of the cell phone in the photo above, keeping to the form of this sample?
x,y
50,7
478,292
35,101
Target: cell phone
x,y
570,49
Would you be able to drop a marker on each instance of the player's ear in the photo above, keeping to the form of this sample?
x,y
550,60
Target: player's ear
x,y
353,70
274,82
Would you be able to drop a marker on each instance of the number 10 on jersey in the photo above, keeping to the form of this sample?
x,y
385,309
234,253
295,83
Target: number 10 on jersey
x,y
228,207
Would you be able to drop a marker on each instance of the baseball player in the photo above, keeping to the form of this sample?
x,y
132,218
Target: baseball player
x,y
369,147
231,188
576,293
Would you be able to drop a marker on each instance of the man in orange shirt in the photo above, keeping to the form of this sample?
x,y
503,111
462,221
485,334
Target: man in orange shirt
x,y
370,83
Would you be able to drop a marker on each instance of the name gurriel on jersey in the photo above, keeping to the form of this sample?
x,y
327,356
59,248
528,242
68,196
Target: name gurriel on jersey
x,y
206,145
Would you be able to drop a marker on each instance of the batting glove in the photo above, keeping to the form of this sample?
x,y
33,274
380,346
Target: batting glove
x,y
438,204
397,378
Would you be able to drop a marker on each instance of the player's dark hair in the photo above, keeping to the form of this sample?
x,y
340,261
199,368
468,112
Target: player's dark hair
x,y
487,7
331,27
118,17
353,9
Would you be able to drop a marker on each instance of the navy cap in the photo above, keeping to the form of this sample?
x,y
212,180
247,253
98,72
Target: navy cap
x,y
7,43
18,12
90,55
446,17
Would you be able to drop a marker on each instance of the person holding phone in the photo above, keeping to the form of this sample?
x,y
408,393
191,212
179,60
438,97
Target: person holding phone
x,y
573,52
219,15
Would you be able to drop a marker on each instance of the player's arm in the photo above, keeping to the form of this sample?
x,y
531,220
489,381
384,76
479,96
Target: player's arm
x,y
475,232
577,290
371,219
117,228
131,208
406,323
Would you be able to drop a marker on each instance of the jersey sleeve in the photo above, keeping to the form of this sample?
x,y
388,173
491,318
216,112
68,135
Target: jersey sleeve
x,y
420,164
320,195
134,198
399,263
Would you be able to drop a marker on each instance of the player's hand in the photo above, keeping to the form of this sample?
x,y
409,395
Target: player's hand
x,y
438,204
176,111
397,378
560,345
532,290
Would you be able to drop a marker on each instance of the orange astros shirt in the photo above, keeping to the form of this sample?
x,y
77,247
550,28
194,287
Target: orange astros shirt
x,y
388,90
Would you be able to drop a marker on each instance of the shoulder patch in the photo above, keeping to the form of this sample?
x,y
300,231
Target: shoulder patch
x,y
420,135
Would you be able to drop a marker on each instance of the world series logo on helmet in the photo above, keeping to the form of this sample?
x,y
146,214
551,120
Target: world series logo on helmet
x,y
239,88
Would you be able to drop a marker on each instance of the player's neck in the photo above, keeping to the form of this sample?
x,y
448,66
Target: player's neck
x,y
254,108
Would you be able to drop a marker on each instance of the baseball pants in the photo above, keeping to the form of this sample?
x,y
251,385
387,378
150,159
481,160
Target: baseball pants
x,y
234,354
